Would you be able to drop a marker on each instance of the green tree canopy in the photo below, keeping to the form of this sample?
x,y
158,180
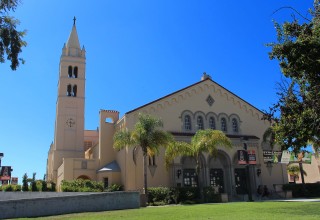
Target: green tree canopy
x,y
296,115
11,42
147,135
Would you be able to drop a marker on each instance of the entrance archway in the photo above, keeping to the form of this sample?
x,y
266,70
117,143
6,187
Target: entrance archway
x,y
219,172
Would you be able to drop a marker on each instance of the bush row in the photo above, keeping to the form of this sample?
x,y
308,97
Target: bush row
x,y
186,195
81,185
312,189
10,188
37,186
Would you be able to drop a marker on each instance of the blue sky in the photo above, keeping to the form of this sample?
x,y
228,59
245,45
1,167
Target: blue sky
x,y
137,51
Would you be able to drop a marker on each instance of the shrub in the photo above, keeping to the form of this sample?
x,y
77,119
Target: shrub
x,y
209,195
11,188
114,187
81,185
8,188
188,194
165,195
159,195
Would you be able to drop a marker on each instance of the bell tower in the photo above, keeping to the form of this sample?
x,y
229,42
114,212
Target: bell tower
x,y
69,123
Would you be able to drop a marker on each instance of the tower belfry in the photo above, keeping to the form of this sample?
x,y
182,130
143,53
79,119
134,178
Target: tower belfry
x,y
69,123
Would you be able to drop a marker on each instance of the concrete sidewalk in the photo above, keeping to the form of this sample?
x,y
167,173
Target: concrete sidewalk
x,y
298,200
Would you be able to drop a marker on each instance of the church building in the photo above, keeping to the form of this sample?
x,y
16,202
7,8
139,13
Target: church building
x,y
89,154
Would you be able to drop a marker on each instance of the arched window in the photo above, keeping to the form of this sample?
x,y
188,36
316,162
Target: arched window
x,y
235,127
74,91
75,72
200,123
187,122
212,123
223,124
70,71
69,90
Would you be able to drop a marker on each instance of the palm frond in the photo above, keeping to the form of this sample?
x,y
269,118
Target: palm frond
x,y
209,140
175,149
121,139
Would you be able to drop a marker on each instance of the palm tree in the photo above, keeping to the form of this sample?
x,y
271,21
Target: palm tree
x,y
294,170
148,136
204,141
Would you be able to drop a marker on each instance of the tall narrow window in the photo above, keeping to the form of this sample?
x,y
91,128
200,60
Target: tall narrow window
x,y
212,123
74,91
105,182
152,160
223,124
75,72
235,127
187,123
200,123
69,90
70,71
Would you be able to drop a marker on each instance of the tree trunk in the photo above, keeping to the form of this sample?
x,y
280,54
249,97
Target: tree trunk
x,y
301,172
199,177
145,175
302,178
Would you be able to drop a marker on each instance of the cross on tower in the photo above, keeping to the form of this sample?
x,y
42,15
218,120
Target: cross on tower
x,y
74,20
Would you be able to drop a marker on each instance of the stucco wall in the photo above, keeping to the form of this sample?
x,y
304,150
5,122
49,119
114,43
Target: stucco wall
x,y
17,205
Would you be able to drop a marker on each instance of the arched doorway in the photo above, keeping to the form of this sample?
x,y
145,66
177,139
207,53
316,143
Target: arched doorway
x,y
189,173
219,172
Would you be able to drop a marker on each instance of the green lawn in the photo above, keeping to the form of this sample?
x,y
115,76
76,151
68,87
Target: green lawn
x,y
226,211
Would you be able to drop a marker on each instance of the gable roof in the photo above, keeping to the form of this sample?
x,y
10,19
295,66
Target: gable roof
x,y
188,88
112,167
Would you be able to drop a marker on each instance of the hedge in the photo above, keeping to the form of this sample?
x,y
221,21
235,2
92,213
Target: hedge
x,y
312,189
185,195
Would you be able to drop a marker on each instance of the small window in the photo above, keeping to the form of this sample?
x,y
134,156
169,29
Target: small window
x,y
75,72
200,123
74,91
212,123
69,90
70,71
187,123
224,124
235,127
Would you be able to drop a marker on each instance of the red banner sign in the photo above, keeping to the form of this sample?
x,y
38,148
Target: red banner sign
x,y
247,157
5,173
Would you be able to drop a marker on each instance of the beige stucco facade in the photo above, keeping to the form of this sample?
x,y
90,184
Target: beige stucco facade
x,y
78,153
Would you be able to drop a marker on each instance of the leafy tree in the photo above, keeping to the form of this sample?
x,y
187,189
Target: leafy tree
x,y
294,170
34,183
11,42
148,136
204,141
296,115
269,137
25,186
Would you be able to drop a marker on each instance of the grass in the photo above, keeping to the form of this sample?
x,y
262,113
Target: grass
x,y
226,211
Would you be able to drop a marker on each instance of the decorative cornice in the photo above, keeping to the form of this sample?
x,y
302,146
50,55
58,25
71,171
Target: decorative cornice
x,y
232,136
